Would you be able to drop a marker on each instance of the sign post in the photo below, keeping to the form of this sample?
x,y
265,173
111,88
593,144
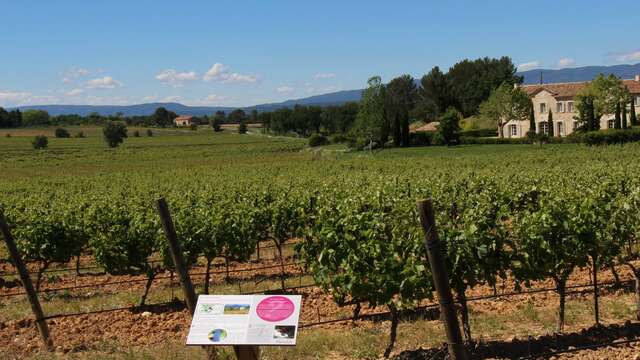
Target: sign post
x,y
242,352
441,281
26,282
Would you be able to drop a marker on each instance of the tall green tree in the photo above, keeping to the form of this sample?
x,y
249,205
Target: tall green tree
x,y
371,119
604,95
506,103
237,116
471,82
163,117
433,95
35,118
618,121
217,120
448,128
633,117
401,93
624,115
550,124
532,119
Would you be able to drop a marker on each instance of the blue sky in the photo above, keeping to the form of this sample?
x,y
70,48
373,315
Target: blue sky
x,y
236,53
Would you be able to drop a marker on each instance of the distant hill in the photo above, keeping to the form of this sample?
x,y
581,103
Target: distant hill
x,y
336,98
585,73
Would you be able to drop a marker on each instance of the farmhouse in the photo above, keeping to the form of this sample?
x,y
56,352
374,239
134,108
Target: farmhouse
x,y
184,121
559,99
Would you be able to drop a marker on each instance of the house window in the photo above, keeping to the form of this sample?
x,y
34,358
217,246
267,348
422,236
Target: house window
x,y
543,127
513,130
637,101
543,108
576,125
559,107
570,106
611,124
560,129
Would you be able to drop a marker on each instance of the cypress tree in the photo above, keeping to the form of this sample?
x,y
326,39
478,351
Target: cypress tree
x,y
532,120
591,116
617,123
633,117
624,116
550,123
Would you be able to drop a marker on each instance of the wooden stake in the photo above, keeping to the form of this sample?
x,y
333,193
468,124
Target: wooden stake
x,y
242,352
26,282
441,280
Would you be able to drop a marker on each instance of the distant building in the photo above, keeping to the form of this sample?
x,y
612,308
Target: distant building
x,y
429,127
184,121
559,99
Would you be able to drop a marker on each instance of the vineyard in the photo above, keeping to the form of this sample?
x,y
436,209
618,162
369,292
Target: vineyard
x,y
554,227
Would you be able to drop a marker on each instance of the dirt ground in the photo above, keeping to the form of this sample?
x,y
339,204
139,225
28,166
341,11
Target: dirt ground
x,y
155,324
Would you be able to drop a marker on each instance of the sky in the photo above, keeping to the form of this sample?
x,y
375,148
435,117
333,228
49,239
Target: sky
x,y
241,53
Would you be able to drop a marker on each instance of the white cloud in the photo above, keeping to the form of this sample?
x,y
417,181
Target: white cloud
x,y
174,78
529,65
629,56
566,62
73,74
106,82
8,97
213,99
220,73
171,98
74,92
324,76
284,89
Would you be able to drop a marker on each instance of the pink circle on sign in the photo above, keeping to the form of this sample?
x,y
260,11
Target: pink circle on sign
x,y
275,308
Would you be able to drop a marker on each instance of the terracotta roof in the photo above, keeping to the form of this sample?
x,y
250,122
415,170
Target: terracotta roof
x,y
571,89
183,117
430,127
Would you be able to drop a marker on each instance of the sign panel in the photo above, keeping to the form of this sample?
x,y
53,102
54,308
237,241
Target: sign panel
x,y
245,320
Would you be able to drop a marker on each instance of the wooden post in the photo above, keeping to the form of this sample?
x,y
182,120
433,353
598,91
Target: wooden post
x,y
242,352
441,281
26,282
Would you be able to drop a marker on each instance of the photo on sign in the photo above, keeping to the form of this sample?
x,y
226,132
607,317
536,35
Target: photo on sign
x,y
217,335
236,309
212,309
284,332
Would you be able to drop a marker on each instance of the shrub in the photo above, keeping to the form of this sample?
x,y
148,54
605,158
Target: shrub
x,y
61,133
8,135
193,127
136,133
40,142
317,140
479,133
242,127
149,132
114,133
79,134
608,137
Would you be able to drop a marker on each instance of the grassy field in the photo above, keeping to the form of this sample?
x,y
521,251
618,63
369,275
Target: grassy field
x,y
186,159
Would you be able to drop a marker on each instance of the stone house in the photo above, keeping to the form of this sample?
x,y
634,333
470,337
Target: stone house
x,y
184,121
559,99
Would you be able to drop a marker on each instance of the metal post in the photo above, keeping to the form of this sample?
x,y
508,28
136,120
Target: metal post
x,y
441,280
242,352
26,282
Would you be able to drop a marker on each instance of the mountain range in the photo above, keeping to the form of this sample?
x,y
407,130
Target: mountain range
x,y
584,73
